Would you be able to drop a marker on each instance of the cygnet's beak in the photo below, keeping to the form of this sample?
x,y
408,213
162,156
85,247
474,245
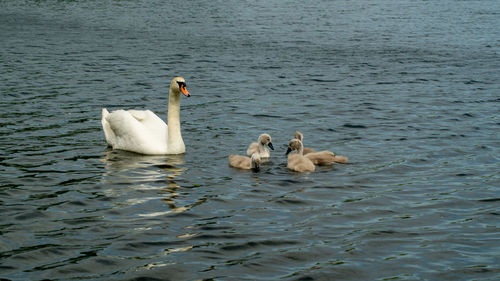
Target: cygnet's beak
x,y
184,91
256,168
288,150
270,145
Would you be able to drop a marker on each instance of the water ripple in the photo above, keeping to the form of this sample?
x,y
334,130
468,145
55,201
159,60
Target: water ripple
x,y
414,108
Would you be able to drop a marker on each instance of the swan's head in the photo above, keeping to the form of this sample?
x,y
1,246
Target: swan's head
x,y
265,139
255,162
178,85
294,145
299,136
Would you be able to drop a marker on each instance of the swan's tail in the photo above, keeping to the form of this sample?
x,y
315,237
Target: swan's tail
x,y
105,112
108,132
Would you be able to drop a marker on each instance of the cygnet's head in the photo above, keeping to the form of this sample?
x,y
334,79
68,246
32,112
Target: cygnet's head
x,y
294,145
255,162
265,139
299,136
178,85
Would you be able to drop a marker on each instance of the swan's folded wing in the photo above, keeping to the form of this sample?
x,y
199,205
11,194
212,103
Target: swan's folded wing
x,y
148,119
124,124
139,115
138,136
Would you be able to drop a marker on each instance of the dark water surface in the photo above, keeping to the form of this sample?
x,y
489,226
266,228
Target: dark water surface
x,y
408,90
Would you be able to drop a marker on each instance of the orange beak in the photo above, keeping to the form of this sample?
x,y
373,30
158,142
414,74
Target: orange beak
x,y
185,91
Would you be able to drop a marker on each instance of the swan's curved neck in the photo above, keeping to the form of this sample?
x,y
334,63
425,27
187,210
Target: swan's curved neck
x,y
175,144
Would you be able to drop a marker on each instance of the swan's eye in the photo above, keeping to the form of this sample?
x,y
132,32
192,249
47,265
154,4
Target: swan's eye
x,y
181,84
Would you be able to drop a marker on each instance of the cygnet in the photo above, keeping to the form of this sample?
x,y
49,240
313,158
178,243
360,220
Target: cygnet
x,y
260,148
244,162
324,157
300,136
296,161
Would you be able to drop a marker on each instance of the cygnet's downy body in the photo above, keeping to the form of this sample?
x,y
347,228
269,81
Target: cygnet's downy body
x,y
296,161
324,157
260,147
300,136
321,157
244,162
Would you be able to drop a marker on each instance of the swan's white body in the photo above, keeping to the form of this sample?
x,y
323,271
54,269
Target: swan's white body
x,y
142,131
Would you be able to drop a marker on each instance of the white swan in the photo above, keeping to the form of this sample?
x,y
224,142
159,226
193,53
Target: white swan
x,y
142,131
296,161
243,162
260,146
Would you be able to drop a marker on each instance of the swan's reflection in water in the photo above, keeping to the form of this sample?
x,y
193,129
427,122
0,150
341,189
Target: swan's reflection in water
x,y
141,179
118,162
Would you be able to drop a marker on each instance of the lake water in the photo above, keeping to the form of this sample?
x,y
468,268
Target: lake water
x,y
408,90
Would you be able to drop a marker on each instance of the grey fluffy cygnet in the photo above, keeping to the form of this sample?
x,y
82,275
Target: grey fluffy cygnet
x,y
300,136
322,157
244,162
296,161
260,148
